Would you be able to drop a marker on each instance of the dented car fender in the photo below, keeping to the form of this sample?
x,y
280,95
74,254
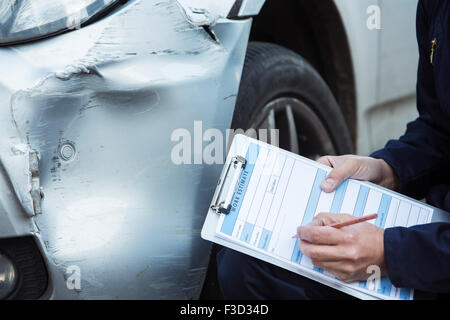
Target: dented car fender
x,y
86,119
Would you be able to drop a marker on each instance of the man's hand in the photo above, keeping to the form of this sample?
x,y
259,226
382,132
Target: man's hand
x,y
345,252
360,168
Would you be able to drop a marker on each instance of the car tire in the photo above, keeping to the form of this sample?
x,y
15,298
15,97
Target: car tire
x,y
280,90
273,77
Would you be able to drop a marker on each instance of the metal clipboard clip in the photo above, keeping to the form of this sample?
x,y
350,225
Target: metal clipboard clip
x,y
222,202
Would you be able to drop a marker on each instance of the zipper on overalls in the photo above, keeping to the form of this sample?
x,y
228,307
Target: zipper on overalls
x,y
433,46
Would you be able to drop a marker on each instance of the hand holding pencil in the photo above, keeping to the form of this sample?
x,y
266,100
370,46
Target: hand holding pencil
x,y
347,223
344,252
347,252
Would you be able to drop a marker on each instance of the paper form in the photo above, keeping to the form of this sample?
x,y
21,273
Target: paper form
x,y
280,191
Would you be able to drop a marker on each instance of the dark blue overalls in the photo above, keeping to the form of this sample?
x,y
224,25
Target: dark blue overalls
x,y
416,257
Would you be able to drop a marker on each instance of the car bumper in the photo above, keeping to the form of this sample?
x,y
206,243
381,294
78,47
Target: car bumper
x,y
98,106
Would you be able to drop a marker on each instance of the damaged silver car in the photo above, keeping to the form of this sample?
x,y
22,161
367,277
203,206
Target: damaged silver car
x,y
92,205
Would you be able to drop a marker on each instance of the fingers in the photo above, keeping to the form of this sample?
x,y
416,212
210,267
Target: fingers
x,y
319,231
361,168
321,235
322,253
326,219
342,171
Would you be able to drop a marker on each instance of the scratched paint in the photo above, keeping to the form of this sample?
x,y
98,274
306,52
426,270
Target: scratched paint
x,y
115,91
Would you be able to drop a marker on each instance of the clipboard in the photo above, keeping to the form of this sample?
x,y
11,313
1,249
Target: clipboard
x,y
238,161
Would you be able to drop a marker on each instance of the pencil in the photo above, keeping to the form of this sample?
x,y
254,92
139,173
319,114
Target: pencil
x,y
354,221
349,222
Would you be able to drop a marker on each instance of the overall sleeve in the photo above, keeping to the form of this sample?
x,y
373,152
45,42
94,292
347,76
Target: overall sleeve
x,y
421,156
419,257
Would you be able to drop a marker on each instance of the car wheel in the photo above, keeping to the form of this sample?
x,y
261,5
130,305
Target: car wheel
x,y
280,90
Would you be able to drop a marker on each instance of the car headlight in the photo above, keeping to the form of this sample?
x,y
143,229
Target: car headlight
x,y
8,277
23,20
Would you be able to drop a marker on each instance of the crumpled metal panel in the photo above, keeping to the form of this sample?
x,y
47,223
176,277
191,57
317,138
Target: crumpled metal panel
x,y
99,106
207,13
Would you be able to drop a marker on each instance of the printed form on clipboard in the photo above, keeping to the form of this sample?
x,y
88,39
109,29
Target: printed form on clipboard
x,y
265,193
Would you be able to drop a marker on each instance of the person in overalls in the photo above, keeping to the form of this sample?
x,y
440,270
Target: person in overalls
x,y
417,165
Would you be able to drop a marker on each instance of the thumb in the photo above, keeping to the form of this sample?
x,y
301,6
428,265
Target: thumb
x,y
340,173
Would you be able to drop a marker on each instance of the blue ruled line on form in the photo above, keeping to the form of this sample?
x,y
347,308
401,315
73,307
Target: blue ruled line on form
x,y
336,205
265,239
383,209
339,198
361,201
247,232
385,283
310,209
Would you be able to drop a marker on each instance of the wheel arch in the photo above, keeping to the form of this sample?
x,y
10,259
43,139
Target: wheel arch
x,y
315,30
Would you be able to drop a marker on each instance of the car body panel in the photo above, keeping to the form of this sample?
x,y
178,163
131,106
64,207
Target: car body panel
x,y
398,56
112,93
207,13
384,65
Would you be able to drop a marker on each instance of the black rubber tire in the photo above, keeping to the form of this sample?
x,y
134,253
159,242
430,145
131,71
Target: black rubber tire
x,y
271,72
